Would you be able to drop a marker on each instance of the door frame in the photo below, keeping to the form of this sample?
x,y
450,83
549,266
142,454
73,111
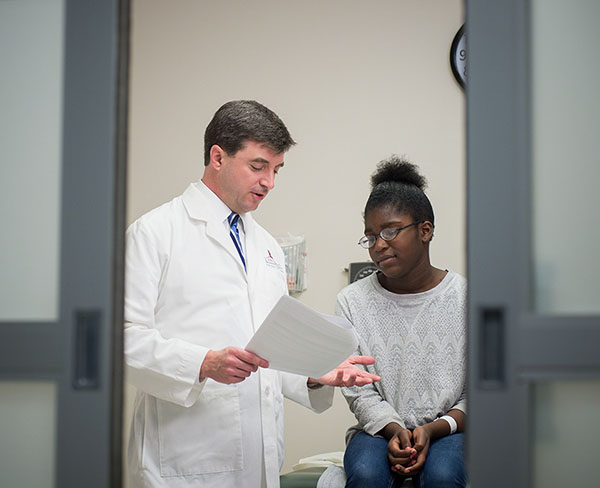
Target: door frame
x,y
92,220
510,346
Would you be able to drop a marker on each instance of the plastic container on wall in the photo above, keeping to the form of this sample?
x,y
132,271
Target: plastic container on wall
x,y
294,249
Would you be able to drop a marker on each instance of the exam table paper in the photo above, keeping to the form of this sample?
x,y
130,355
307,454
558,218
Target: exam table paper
x,y
297,339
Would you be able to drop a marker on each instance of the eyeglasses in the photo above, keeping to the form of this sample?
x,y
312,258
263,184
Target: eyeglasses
x,y
386,234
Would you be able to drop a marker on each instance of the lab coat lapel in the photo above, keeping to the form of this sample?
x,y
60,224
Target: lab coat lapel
x,y
253,254
254,268
199,208
218,232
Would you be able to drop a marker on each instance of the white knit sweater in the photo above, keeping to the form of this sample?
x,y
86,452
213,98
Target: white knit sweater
x,y
419,344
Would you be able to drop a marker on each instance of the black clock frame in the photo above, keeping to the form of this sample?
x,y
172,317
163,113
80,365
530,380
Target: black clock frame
x,y
453,49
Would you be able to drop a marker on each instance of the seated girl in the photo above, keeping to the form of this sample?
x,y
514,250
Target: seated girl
x,y
411,317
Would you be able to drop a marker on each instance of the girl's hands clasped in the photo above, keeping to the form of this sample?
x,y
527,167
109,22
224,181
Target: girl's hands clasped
x,y
407,451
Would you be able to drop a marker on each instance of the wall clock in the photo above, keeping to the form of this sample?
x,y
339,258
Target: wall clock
x,y
458,56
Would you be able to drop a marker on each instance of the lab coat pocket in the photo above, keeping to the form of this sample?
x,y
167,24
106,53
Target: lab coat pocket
x,y
204,438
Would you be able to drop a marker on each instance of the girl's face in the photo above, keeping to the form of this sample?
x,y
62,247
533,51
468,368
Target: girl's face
x,y
398,257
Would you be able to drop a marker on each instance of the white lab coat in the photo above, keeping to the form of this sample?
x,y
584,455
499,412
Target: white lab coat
x,y
187,292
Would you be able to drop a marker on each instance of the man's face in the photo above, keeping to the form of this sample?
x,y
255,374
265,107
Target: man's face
x,y
247,176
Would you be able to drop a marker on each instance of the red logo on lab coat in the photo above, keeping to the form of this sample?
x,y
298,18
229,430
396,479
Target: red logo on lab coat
x,y
270,260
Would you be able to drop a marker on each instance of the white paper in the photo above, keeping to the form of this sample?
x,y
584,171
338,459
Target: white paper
x,y
297,339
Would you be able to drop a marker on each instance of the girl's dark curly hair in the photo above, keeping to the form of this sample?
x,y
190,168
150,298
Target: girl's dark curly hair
x,y
397,183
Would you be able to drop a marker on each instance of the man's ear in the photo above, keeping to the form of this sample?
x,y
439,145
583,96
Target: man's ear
x,y
426,231
216,156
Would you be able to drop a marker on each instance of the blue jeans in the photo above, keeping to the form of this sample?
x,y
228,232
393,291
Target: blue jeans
x,y
366,464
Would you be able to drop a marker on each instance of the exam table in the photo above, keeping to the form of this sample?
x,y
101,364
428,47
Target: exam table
x,y
320,471
307,471
301,478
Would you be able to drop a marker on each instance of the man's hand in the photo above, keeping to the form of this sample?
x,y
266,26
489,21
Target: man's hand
x,y
347,374
230,365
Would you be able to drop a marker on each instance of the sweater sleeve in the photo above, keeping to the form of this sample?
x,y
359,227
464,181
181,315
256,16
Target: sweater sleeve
x,y
367,404
461,404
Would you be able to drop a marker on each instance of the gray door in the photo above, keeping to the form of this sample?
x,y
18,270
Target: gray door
x,y
533,118
62,131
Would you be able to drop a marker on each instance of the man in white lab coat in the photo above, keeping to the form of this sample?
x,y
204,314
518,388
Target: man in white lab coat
x,y
199,281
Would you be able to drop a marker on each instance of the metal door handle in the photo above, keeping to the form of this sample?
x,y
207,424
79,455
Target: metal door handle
x,y
87,348
491,348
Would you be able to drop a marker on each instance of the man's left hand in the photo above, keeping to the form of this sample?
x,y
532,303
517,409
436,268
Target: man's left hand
x,y
348,374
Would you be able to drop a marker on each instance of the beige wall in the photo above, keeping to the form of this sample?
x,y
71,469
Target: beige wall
x,y
354,82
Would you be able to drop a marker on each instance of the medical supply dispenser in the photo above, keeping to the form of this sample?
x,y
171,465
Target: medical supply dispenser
x,y
294,249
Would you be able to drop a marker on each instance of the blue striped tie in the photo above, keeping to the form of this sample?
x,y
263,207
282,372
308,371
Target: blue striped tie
x,y
235,235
